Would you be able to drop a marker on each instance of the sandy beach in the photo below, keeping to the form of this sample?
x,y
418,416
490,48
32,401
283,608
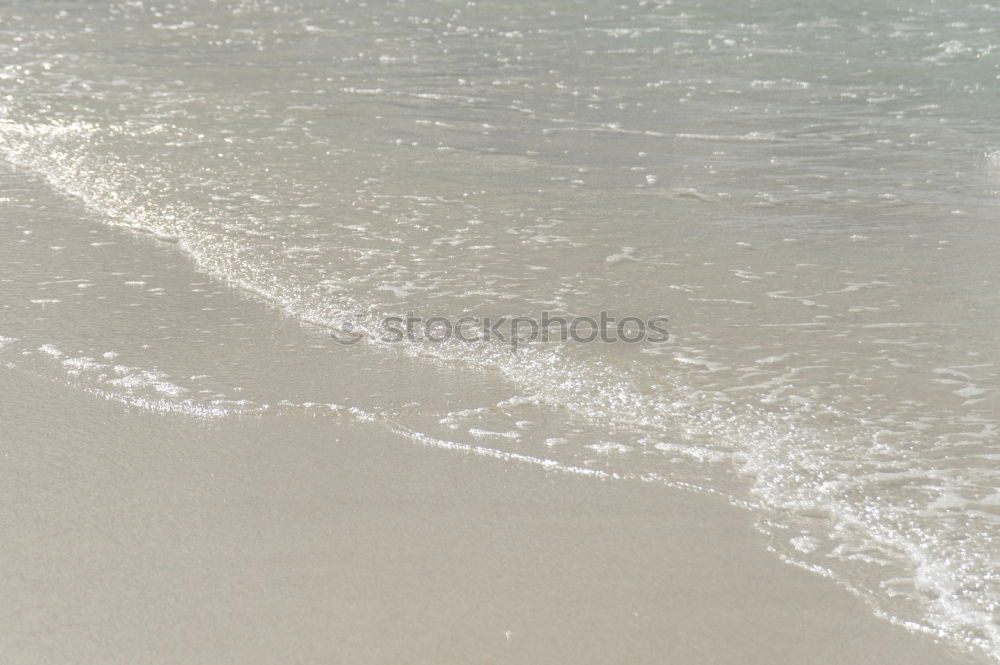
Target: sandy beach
x,y
134,537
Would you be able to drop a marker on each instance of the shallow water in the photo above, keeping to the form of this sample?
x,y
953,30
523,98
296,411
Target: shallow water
x,y
808,193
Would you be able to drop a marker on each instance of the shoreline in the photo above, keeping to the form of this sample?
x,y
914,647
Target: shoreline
x,y
297,537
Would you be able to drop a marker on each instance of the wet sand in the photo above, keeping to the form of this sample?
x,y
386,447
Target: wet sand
x,y
135,537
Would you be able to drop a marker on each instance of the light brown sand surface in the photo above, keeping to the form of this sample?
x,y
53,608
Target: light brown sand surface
x,y
132,537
